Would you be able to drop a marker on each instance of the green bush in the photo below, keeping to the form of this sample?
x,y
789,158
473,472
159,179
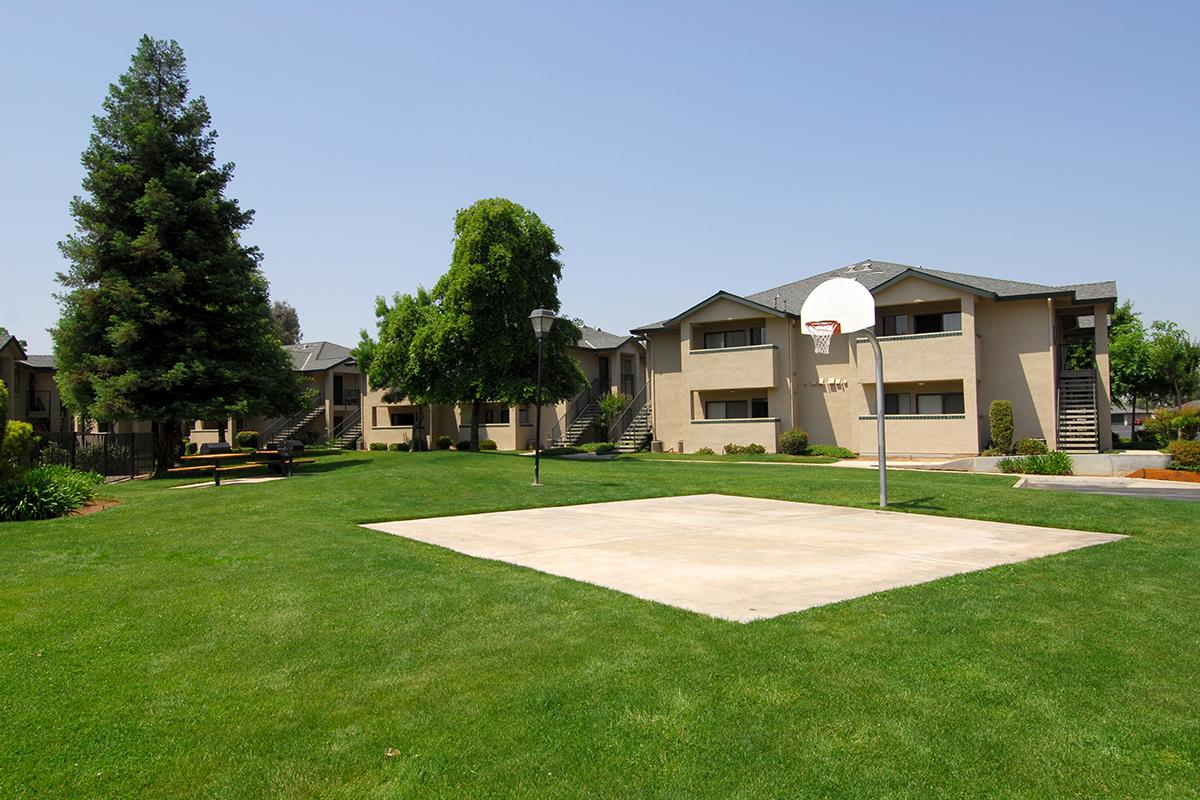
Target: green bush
x,y
1169,424
46,492
377,446
1031,447
1136,444
487,444
600,448
53,453
246,439
92,458
992,452
1000,418
190,448
463,446
1054,463
443,442
16,449
830,450
1185,453
793,442
705,451
394,447
744,449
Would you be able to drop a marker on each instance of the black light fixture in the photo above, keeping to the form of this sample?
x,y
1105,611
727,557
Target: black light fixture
x,y
541,319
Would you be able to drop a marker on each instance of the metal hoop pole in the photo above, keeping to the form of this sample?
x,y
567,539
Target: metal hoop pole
x,y
879,434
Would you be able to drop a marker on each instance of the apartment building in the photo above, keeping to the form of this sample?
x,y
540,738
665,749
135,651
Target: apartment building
x,y
613,364
32,393
739,369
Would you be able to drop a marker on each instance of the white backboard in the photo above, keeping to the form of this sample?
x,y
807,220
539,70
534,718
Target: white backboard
x,y
843,300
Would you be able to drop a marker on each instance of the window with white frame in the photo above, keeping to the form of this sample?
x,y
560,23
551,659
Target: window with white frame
x,y
942,403
755,408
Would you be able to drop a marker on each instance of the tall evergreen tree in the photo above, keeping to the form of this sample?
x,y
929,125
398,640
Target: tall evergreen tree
x,y
165,314
287,322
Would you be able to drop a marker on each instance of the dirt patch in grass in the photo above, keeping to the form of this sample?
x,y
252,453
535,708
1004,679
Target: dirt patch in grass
x,y
1166,475
93,507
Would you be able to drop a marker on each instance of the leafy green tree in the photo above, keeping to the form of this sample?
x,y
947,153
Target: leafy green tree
x,y
1133,379
609,407
286,322
4,332
1175,359
166,315
469,341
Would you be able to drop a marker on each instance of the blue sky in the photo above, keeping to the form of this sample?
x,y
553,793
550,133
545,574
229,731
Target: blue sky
x,y
676,149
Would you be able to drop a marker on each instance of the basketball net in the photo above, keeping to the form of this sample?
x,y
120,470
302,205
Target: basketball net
x,y
822,332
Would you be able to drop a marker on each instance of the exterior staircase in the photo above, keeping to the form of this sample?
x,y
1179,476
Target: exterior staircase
x,y
1078,428
636,435
575,432
287,427
347,434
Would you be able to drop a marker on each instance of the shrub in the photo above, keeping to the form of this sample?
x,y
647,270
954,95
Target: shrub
x,y
377,446
47,492
443,442
705,451
1055,463
15,449
404,447
992,452
464,445
1031,447
1184,453
744,449
599,448
793,442
53,453
487,444
830,450
1135,444
394,447
1000,418
190,448
246,439
92,458
1169,424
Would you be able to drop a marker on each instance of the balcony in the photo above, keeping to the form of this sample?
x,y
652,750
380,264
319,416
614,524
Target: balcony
x,y
931,434
751,367
38,405
346,397
913,357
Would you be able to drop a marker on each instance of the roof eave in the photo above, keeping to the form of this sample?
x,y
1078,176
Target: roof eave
x,y
671,323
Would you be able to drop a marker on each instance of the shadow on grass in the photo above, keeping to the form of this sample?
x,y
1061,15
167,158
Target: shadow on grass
x,y
917,504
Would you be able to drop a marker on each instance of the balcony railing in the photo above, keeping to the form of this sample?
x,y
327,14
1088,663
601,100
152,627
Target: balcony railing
x,y
38,404
346,397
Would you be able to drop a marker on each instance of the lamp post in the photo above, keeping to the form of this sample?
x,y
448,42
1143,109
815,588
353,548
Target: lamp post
x,y
541,319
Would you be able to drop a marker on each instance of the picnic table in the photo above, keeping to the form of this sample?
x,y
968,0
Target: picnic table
x,y
280,461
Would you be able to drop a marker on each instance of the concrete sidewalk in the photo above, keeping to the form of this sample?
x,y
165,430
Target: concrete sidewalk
x,y
739,558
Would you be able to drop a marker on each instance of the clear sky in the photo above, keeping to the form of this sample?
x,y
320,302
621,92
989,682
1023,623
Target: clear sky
x,y
676,149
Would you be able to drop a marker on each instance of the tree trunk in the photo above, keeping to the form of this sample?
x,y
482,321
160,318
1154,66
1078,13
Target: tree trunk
x,y
166,445
1133,419
476,413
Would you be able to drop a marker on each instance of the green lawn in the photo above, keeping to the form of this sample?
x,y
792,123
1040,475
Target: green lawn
x,y
253,642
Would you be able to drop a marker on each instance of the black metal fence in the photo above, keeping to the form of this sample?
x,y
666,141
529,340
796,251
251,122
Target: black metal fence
x,y
110,454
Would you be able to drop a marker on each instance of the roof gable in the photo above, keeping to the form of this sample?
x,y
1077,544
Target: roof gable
x,y
749,302
318,356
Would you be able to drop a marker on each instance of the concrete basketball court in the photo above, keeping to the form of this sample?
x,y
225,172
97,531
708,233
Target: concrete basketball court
x,y
739,558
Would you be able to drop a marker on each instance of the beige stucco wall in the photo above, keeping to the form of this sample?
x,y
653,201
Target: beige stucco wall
x,y
1016,353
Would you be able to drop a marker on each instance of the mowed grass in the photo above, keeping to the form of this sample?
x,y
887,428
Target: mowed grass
x,y
252,641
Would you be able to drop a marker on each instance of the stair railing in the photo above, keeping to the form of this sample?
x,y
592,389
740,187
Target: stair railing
x,y
621,423
575,409
282,424
346,424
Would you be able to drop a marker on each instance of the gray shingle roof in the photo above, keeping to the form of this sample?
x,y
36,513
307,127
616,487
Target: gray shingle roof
x,y
596,339
876,275
40,362
5,339
318,356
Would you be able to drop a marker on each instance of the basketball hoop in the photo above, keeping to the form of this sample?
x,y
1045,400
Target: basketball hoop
x,y
822,333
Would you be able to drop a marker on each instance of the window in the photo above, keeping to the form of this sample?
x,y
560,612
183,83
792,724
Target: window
x,y
938,323
951,403
496,415
758,335
725,409
895,325
716,339
897,404
523,415
402,419
758,408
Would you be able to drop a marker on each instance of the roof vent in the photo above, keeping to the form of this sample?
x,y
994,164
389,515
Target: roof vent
x,y
777,301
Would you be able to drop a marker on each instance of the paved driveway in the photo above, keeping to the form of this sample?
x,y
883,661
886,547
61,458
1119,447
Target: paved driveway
x,y
739,558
